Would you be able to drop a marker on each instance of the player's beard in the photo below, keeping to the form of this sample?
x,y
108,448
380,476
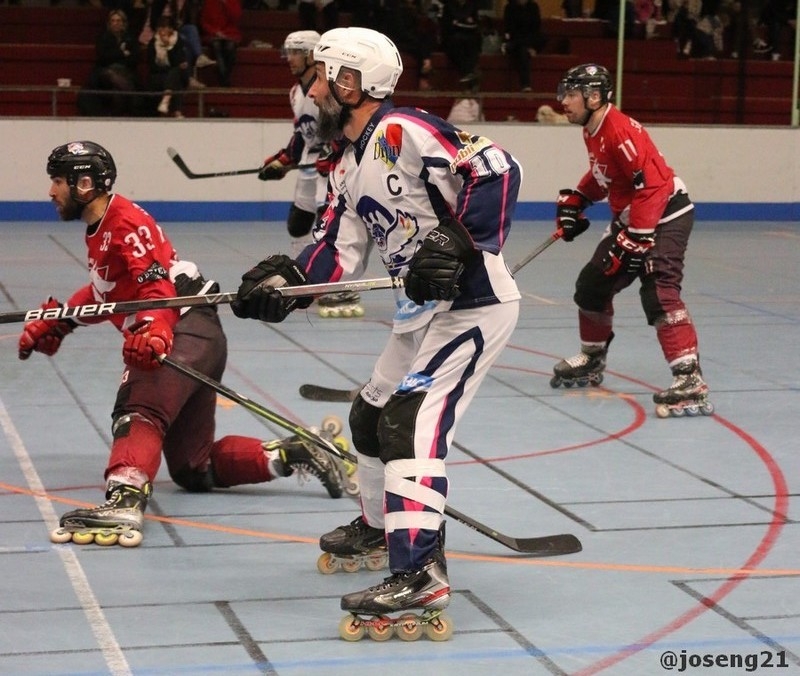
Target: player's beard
x,y
71,210
331,119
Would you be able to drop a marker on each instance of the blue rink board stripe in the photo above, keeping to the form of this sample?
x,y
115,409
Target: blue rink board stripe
x,y
276,211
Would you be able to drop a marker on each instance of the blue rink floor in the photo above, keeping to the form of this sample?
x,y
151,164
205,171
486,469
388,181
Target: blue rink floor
x,y
689,526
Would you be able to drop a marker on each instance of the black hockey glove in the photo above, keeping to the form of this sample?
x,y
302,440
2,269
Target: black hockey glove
x,y
257,297
627,252
569,213
275,166
439,262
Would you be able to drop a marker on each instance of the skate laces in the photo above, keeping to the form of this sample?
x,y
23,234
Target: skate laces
x,y
580,359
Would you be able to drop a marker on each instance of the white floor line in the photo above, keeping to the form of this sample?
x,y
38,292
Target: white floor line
x,y
112,652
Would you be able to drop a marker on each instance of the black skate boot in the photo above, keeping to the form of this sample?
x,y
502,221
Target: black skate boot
x,y
343,304
118,520
585,368
352,546
427,589
296,454
688,394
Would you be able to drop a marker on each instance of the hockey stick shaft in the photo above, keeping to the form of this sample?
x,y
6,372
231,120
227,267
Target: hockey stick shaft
x,y
181,164
258,409
551,239
553,545
132,306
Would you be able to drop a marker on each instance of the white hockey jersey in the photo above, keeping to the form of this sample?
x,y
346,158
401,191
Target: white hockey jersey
x,y
390,188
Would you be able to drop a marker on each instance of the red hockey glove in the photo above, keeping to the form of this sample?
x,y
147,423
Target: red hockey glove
x,y
44,335
144,341
569,213
257,298
275,166
627,252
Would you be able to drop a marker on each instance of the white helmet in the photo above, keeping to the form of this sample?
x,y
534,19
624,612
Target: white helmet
x,y
369,52
300,40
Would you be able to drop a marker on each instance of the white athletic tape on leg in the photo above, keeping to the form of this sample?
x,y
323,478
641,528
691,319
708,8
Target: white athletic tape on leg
x,y
371,484
397,483
413,521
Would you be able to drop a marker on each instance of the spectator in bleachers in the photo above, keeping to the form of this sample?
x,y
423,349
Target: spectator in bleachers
x,y
414,33
328,9
220,21
167,67
774,18
117,57
461,38
522,38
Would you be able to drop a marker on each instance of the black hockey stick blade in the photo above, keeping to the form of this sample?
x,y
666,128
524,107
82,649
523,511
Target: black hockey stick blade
x,y
321,393
545,545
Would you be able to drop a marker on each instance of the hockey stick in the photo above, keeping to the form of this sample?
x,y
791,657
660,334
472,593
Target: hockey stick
x,y
181,164
549,545
551,238
132,306
321,393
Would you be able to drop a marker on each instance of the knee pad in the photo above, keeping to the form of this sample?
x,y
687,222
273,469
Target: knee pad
x,y
193,480
300,222
593,289
649,299
396,426
364,427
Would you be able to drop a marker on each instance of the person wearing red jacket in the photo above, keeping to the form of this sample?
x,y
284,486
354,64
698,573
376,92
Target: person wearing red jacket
x,y
652,218
131,258
219,23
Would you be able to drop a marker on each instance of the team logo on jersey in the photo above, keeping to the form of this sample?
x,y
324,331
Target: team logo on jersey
x,y
388,145
97,278
155,272
599,171
392,231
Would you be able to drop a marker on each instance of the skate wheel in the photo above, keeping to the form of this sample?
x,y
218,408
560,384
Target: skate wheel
x,y
351,629
662,411
692,410
358,311
377,562
351,566
440,628
352,488
677,412
60,536
381,630
408,627
106,539
343,445
346,313
597,381
326,564
555,381
332,424
83,538
707,408
131,538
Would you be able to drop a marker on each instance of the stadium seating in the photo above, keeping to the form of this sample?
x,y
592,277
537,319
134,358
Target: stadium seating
x,y
41,45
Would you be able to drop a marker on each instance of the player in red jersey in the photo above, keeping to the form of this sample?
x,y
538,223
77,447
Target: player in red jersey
x,y
131,258
652,218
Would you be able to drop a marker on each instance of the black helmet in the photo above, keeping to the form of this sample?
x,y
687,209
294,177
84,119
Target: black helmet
x,y
586,77
83,158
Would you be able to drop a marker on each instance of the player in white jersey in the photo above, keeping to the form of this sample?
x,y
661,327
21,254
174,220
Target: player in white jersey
x,y
436,202
303,150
